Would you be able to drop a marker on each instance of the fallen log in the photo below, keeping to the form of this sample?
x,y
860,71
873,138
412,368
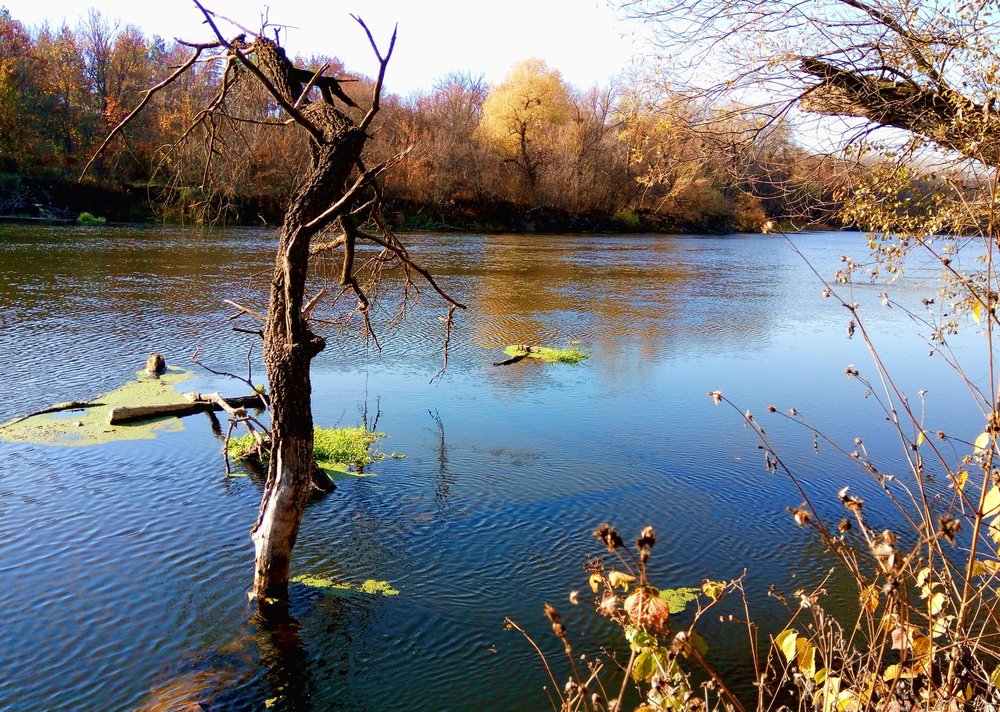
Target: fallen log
x,y
196,403
516,357
57,408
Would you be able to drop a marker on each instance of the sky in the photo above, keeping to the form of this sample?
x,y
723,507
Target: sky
x,y
583,39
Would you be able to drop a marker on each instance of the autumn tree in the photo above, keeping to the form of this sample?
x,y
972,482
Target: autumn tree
x,y
62,102
522,116
447,163
15,78
928,68
335,208
588,167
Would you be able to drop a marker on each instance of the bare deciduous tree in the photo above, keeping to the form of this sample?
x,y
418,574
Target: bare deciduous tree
x,y
338,197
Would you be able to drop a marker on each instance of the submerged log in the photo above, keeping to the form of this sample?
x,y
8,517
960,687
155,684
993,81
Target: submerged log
x,y
515,358
57,408
197,403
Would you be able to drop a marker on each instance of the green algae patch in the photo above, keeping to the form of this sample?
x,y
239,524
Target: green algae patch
x,y
87,424
546,353
337,450
678,598
371,587
378,588
355,446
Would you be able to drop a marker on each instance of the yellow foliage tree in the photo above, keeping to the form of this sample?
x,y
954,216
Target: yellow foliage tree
x,y
523,114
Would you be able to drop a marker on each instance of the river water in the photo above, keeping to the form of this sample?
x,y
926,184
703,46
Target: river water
x,y
124,567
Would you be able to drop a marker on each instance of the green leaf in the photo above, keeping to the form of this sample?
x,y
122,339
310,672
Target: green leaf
x,y
713,589
699,644
639,639
643,667
678,598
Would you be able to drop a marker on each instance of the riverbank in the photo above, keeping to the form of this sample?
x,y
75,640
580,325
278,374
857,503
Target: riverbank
x,y
60,199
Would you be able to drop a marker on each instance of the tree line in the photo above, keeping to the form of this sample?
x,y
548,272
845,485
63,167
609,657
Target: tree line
x,y
531,152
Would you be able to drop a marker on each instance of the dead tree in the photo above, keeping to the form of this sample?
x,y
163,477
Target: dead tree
x,y
339,194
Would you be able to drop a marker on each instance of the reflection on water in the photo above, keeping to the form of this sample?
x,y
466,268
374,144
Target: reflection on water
x,y
125,566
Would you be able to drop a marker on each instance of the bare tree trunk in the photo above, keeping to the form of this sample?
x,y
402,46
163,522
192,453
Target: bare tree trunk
x,y
289,344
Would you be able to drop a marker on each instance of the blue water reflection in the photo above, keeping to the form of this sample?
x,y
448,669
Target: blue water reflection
x,y
125,566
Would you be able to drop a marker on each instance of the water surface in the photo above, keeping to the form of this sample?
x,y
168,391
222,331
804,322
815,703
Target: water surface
x,y
125,567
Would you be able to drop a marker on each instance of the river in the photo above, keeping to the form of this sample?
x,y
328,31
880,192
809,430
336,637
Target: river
x,y
124,567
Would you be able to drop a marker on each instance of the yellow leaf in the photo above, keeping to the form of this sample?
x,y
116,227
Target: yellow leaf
x,y
937,603
986,567
805,656
941,626
869,598
595,582
995,530
897,672
786,643
922,645
921,438
847,701
977,311
991,503
713,589
617,578
831,692
982,442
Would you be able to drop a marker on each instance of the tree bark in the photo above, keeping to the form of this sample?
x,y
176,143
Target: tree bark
x,y
945,117
289,344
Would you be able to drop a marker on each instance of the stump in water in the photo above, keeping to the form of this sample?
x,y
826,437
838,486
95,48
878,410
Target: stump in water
x,y
156,365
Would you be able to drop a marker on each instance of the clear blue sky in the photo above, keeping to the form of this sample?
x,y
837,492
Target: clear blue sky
x,y
581,38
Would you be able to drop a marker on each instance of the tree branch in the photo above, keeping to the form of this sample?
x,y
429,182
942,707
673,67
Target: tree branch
x,y
383,62
255,70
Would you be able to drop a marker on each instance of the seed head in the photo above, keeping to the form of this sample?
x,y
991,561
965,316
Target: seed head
x,y
949,528
647,538
800,516
557,626
610,536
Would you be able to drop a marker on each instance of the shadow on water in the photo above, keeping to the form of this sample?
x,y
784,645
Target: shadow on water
x,y
266,667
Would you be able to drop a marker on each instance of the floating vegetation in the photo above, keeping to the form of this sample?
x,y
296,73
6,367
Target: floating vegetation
x,y
546,353
87,423
678,598
371,587
86,218
355,446
336,450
